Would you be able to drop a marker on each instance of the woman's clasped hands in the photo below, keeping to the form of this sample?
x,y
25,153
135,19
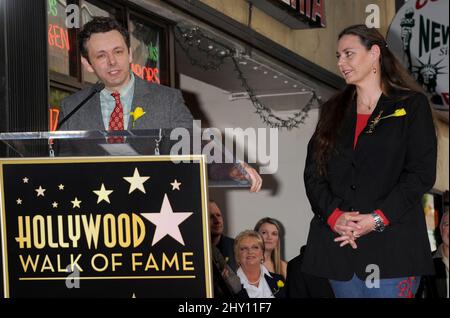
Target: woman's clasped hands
x,y
352,225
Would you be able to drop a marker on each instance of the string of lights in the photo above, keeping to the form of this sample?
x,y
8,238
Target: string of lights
x,y
215,55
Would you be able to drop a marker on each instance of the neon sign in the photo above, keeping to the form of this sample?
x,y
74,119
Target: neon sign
x,y
153,52
53,8
58,37
146,73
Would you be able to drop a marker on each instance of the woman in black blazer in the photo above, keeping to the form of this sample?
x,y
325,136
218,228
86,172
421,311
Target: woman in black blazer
x,y
370,160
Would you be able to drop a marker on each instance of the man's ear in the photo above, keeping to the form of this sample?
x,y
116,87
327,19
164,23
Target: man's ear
x,y
87,65
130,55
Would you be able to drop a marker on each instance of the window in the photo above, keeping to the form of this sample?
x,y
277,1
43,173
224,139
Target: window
x,y
149,36
147,44
58,37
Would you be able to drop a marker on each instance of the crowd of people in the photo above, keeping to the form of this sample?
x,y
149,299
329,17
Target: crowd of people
x,y
251,266
370,159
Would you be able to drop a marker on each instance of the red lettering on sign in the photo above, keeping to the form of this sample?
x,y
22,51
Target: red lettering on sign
x,y
58,37
422,3
302,8
445,96
294,4
146,73
318,10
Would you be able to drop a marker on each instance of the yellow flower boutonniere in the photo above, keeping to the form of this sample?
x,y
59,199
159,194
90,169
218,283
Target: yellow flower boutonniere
x,y
397,113
280,284
137,113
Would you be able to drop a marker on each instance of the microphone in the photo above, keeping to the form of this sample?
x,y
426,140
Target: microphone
x,y
231,279
97,87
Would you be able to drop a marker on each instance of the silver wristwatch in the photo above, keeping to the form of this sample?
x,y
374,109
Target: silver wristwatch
x,y
379,224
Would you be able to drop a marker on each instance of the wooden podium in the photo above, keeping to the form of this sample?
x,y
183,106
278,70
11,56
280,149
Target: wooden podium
x,y
103,226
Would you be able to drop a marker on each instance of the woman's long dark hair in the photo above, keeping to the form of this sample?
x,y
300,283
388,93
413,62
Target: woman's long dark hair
x,y
393,77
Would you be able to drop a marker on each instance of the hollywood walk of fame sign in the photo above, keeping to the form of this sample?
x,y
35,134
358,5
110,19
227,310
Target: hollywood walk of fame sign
x,y
105,227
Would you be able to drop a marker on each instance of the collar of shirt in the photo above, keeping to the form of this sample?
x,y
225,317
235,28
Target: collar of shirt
x,y
263,289
107,102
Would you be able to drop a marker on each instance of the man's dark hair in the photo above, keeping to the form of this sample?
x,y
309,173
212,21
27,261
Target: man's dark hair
x,y
100,25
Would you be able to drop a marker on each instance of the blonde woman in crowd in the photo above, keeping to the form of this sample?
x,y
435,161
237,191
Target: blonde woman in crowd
x,y
256,280
270,229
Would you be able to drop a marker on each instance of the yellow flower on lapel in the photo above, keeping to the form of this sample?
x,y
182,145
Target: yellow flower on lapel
x,y
280,284
398,113
137,113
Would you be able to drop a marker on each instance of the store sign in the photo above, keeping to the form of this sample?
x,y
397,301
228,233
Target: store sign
x,y
419,36
296,14
146,73
58,37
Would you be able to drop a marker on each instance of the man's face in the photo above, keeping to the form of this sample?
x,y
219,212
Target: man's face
x,y
215,219
109,59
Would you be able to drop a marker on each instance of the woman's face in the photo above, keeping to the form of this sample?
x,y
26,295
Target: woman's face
x,y
269,232
354,61
250,252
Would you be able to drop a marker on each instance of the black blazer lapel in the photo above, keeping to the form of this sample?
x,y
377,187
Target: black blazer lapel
x,y
278,292
347,132
271,282
384,107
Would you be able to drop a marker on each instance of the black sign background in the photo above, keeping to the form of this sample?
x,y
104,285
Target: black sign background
x,y
80,179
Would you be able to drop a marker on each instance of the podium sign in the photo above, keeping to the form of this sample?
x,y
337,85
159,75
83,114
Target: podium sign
x,y
132,226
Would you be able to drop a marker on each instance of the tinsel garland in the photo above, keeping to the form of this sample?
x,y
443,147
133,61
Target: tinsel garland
x,y
216,54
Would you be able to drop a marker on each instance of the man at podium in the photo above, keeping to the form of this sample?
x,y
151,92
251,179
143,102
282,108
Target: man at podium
x,y
124,101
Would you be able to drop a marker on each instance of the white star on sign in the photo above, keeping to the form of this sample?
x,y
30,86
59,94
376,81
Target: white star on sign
x,y
25,180
55,204
40,191
103,194
136,181
19,201
167,222
76,203
176,185
61,187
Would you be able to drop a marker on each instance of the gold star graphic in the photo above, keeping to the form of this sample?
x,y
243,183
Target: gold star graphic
x,y
40,191
61,187
19,201
103,194
136,181
55,204
25,180
76,203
